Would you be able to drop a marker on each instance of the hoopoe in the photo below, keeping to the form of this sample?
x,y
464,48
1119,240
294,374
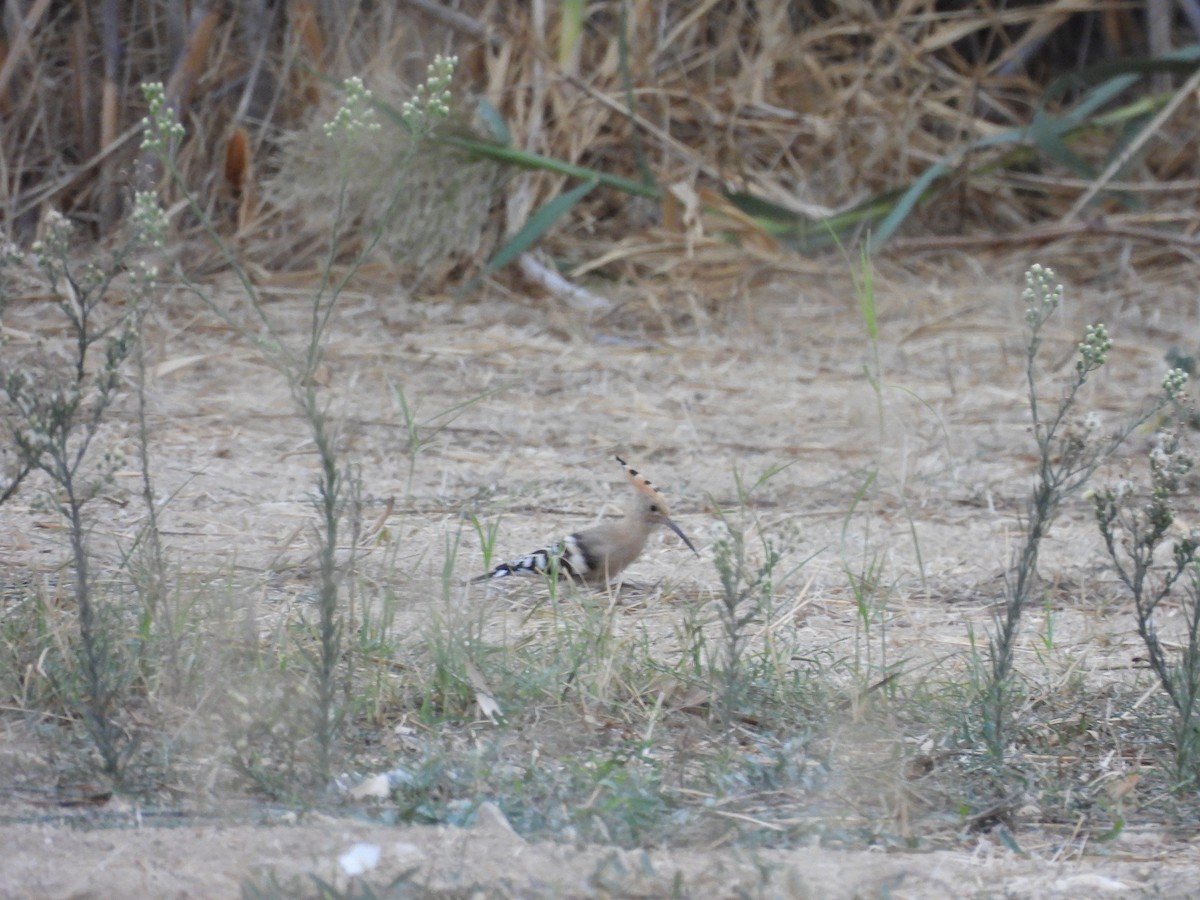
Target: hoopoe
x,y
598,554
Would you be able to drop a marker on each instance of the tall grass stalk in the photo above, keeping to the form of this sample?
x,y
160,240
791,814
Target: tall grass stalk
x,y
867,578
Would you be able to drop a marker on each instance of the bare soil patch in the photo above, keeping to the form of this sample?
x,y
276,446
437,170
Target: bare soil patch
x,y
773,375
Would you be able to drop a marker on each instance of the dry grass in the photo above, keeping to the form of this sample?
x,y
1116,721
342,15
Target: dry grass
x,y
813,107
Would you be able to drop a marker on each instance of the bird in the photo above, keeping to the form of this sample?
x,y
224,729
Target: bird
x,y
597,555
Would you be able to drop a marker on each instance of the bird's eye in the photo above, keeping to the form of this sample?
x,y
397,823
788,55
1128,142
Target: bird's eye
x,y
654,508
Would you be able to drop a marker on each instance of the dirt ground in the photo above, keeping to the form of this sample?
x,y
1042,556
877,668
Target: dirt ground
x,y
687,388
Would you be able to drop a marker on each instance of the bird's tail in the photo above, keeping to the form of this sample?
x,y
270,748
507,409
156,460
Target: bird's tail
x,y
538,563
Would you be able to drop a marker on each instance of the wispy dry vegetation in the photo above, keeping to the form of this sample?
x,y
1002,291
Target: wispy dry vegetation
x,y
781,124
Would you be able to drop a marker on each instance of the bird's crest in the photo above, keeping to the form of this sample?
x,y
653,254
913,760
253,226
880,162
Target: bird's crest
x,y
642,485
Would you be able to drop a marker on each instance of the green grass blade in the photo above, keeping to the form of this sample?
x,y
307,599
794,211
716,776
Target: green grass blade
x,y
539,223
570,29
523,159
492,119
1045,133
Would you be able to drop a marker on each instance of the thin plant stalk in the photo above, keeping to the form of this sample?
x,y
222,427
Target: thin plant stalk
x,y
1068,455
299,369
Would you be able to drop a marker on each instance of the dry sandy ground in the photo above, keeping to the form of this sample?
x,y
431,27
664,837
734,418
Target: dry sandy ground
x,y
489,860
689,389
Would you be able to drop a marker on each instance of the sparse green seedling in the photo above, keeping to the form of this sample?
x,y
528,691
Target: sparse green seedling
x,y
420,433
487,532
865,567
870,591
747,558
452,646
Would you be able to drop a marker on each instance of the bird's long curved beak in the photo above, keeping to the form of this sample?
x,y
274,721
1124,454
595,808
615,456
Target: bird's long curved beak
x,y
683,537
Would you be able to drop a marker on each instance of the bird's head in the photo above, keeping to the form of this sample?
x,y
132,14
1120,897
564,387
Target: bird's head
x,y
649,506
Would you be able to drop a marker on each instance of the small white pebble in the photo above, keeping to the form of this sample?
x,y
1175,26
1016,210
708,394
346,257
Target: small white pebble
x,y
359,858
377,786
